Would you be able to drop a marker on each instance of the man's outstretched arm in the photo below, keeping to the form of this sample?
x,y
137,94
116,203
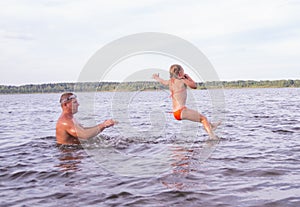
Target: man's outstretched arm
x,y
76,130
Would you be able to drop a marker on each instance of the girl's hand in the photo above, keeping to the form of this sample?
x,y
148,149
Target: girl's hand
x,y
155,76
189,81
186,76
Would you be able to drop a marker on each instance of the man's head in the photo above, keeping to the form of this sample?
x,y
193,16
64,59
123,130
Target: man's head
x,y
69,102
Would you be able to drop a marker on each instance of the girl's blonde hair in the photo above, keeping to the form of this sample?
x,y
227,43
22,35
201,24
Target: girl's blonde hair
x,y
174,70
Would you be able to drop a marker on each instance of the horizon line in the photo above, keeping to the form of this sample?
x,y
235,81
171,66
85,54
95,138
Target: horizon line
x,y
45,83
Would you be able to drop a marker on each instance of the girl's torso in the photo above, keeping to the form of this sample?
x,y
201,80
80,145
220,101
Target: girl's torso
x,y
178,93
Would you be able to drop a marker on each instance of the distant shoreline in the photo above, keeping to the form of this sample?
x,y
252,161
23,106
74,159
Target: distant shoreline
x,y
140,86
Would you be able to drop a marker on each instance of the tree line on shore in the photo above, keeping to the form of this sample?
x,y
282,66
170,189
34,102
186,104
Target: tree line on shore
x,y
139,86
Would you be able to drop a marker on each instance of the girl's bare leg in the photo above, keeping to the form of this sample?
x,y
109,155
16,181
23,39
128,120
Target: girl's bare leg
x,y
195,116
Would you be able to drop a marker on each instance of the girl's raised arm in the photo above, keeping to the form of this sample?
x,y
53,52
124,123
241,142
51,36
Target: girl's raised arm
x,y
162,81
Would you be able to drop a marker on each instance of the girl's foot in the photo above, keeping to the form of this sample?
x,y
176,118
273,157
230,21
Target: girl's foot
x,y
214,137
215,125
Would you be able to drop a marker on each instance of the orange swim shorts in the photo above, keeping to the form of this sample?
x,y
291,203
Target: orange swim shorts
x,y
177,114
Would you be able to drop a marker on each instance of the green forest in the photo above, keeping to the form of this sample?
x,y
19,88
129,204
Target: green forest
x,y
139,86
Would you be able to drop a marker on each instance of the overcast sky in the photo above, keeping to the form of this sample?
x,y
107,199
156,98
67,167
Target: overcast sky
x,y
49,41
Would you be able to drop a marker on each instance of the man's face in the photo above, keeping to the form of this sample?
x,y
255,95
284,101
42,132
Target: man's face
x,y
73,105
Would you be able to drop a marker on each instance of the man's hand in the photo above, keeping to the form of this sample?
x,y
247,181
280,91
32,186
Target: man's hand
x,y
109,123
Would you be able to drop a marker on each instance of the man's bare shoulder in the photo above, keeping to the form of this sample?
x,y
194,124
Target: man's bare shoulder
x,y
65,118
65,130
65,122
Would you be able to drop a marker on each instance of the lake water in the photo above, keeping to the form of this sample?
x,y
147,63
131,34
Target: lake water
x,y
149,159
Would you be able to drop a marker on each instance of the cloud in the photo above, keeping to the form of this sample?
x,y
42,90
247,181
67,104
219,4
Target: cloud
x,y
16,35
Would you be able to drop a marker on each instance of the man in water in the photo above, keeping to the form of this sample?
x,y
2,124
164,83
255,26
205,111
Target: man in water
x,y
178,83
68,130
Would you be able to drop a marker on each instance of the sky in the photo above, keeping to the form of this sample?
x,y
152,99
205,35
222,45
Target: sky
x,y
50,41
